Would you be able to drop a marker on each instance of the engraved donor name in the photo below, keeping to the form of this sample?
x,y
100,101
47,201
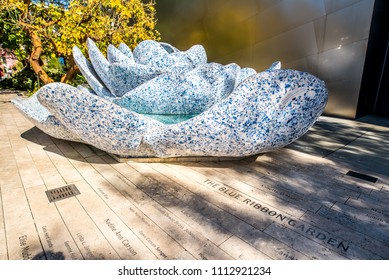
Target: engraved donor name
x,y
70,250
151,242
84,243
47,237
26,255
126,243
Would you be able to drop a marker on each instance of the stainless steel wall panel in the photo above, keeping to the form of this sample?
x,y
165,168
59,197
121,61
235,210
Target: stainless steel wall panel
x,y
287,15
243,9
288,46
342,69
299,64
339,103
238,37
313,64
348,25
365,12
320,28
265,4
245,58
181,21
347,60
334,5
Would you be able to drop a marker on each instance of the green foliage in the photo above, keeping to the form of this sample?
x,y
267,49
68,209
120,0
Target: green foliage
x,y
53,67
106,22
13,36
24,79
78,80
59,25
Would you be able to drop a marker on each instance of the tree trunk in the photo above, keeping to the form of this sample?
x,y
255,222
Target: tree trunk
x,y
35,58
71,73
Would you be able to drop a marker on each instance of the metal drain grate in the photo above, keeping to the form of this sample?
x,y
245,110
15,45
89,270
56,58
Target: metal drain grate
x,y
362,176
62,193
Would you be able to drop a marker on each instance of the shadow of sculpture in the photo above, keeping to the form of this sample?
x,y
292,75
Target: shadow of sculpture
x,y
49,255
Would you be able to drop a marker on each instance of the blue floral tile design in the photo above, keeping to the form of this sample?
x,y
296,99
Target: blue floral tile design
x,y
42,118
157,101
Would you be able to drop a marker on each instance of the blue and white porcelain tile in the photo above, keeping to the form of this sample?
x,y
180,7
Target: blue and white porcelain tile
x,y
42,118
98,121
89,74
159,55
208,109
85,89
115,55
123,70
255,118
101,66
181,94
265,112
169,48
127,52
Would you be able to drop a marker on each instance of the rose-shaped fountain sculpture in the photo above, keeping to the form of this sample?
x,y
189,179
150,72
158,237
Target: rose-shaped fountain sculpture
x,y
158,101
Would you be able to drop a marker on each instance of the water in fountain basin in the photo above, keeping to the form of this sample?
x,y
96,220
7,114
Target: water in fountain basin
x,y
170,119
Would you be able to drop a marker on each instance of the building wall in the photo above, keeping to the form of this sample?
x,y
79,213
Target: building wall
x,y
327,38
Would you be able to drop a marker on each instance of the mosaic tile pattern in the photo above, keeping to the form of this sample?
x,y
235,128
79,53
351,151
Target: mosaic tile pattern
x,y
182,94
124,70
42,118
188,108
89,74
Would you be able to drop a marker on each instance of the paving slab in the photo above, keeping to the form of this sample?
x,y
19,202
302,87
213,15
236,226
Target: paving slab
x,y
57,241
358,245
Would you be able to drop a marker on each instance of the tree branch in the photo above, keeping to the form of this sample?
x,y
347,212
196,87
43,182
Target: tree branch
x,y
71,73
35,58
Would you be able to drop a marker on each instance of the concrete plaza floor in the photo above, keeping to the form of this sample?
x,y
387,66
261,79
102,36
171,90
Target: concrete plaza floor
x,y
323,197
